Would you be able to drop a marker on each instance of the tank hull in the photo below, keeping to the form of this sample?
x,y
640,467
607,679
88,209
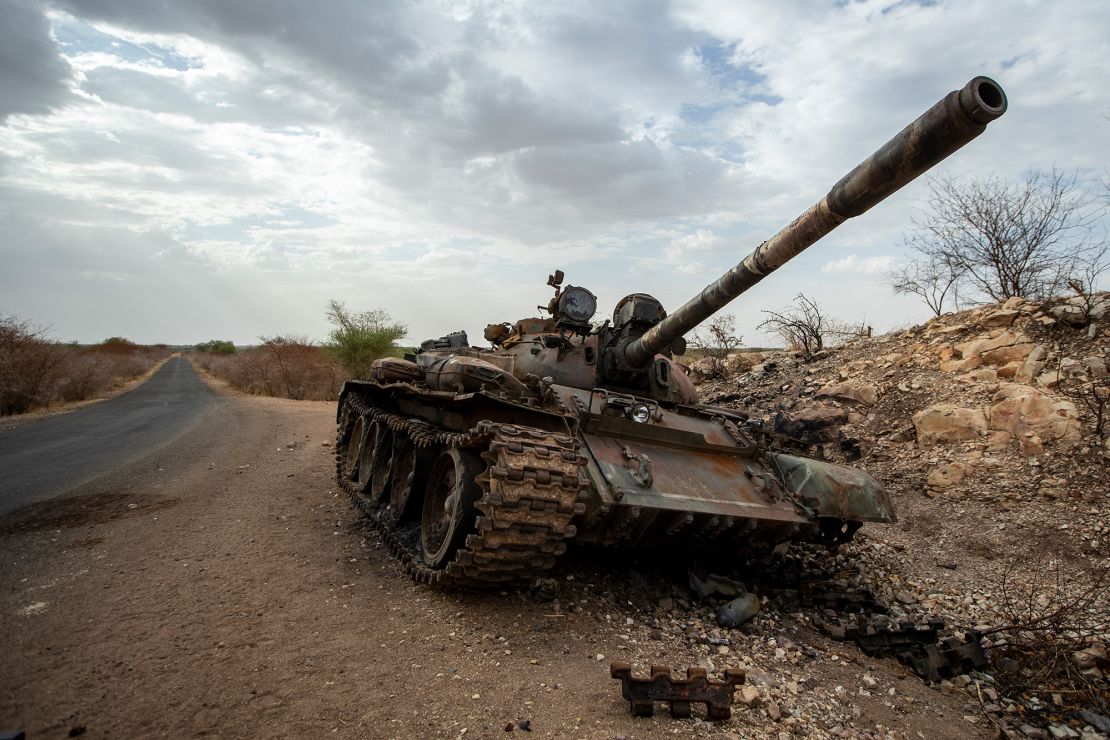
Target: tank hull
x,y
687,478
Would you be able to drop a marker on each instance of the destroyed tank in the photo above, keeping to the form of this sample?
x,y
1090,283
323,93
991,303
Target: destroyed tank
x,y
480,465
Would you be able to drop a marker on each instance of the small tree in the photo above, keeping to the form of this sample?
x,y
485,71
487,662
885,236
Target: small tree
x,y
802,326
716,339
361,337
933,278
1008,240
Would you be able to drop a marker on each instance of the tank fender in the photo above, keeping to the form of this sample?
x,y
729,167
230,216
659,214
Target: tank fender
x,y
396,370
462,374
832,490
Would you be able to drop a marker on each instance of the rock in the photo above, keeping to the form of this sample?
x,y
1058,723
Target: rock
x,y
1070,314
666,604
739,610
1090,657
982,375
1031,445
1036,733
812,423
705,368
869,681
774,711
1001,317
946,475
1009,370
1096,720
960,366
739,362
1032,366
1050,379
749,695
1011,353
1020,408
1072,369
997,440
986,344
946,422
715,585
853,391
1095,367
1060,731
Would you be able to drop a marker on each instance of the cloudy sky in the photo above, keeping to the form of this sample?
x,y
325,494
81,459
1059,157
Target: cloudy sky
x,y
180,171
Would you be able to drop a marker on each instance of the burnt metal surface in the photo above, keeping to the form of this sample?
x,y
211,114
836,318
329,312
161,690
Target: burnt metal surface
x,y
955,120
948,658
914,646
680,693
592,431
835,490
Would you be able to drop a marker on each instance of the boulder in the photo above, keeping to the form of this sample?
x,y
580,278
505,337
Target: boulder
x,y
1007,354
1071,368
980,345
705,368
946,422
946,475
1096,367
1001,317
812,423
739,362
961,366
982,375
1019,409
1032,366
1070,314
848,390
1009,370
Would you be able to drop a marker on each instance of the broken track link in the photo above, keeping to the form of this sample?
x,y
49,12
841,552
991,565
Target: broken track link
x,y
530,492
680,693
914,646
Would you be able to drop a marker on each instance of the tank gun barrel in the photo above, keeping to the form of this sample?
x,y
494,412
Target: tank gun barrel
x,y
956,119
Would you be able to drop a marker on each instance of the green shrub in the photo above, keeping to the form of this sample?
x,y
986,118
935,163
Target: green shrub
x,y
361,337
217,346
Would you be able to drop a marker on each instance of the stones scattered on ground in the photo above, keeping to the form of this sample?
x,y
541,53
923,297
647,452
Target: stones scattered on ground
x,y
978,410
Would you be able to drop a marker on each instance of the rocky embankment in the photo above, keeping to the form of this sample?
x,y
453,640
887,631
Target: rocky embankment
x,y
984,425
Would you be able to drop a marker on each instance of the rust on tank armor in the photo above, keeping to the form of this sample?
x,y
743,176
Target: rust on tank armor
x,y
479,465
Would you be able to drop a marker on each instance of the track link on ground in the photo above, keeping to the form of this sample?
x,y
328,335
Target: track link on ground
x,y
530,494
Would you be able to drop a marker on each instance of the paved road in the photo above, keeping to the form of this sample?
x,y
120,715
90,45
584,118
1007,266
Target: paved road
x,y
54,455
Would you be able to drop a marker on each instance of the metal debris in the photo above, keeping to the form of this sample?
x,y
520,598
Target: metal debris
x,y
696,688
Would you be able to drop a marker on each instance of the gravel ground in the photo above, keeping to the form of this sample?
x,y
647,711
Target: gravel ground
x,y
223,587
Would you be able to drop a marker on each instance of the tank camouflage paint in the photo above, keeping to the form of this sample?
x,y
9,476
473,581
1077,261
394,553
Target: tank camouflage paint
x,y
481,464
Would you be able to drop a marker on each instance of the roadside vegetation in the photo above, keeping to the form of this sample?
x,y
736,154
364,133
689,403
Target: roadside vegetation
x,y
37,372
297,368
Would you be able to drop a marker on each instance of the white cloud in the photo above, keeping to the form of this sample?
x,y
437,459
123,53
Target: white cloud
x,y
865,266
379,154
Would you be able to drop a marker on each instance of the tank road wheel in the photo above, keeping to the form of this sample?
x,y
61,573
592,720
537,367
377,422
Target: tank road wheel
x,y
410,475
380,442
448,514
355,441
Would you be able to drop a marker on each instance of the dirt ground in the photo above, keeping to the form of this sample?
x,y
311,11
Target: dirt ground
x,y
225,588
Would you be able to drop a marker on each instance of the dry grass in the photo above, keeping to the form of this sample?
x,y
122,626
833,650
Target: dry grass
x,y
287,367
37,373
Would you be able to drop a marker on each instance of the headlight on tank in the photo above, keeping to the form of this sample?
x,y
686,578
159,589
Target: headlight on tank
x,y
577,304
639,413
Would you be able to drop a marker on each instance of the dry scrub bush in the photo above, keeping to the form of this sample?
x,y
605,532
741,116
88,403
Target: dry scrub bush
x,y
287,367
36,372
1054,621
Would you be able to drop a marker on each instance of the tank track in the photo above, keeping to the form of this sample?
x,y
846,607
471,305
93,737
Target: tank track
x,y
530,490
